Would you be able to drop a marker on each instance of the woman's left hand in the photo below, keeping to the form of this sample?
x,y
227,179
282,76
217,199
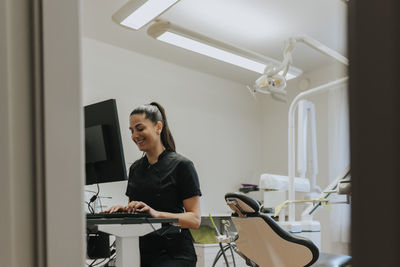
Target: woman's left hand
x,y
140,206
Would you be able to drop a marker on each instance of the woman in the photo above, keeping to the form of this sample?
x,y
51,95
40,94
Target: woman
x,y
164,184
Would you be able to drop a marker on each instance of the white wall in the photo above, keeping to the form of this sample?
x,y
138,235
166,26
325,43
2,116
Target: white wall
x,y
215,122
275,141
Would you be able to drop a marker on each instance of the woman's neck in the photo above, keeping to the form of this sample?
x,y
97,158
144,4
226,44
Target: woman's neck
x,y
152,156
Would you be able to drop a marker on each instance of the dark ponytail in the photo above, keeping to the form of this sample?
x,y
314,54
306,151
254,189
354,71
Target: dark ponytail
x,y
155,112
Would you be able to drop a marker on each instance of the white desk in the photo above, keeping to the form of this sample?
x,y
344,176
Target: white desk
x,y
127,233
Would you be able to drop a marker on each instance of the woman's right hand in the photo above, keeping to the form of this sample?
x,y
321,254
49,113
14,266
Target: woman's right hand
x,y
115,209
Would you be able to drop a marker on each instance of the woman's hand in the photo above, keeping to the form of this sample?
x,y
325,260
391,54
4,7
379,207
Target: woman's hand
x,y
191,218
115,209
140,206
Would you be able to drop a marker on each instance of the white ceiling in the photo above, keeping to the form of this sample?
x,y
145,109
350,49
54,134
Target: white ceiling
x,y
258,25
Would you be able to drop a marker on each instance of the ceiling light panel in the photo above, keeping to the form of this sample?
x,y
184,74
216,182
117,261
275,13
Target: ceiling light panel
x,y
137,13
211,51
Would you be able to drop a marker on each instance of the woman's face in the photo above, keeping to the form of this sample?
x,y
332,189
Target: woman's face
x,y
145,133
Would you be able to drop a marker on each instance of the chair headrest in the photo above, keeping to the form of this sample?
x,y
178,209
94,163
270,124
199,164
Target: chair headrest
x,y
241,203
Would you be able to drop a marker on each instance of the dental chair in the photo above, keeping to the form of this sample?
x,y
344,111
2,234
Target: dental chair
x,y
264,243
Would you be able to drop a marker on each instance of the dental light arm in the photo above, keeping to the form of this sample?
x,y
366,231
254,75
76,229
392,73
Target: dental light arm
x,y
291,44
320,47
273,81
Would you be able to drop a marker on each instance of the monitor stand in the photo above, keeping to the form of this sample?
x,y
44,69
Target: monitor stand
x,y
127,241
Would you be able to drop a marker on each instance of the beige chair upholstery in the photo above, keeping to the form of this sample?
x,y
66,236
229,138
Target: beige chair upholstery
x,y
263,242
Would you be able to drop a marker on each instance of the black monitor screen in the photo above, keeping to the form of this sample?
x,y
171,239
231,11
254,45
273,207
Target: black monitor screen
x,y
105,160
94,144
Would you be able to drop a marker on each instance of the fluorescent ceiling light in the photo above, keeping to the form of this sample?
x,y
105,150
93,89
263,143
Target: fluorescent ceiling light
x,y
211,51
172,34
137,13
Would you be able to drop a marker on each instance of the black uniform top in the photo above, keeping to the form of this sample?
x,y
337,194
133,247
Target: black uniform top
x,y
163,186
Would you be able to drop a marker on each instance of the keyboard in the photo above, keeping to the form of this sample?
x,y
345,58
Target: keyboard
x,y
118,215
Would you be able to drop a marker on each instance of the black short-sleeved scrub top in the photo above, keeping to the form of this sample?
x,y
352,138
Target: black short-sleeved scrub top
x,y
163,186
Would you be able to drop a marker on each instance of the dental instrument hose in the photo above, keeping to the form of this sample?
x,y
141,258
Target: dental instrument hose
x,y
222,249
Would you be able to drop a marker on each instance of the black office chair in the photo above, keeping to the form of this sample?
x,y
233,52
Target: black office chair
x,y
262,241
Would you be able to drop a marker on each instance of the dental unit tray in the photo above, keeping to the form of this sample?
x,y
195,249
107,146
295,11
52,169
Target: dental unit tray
x,y
279,182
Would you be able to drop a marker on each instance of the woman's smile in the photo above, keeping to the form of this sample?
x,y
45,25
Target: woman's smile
x,y
140,142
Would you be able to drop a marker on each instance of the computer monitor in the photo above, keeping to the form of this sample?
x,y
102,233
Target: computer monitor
x,y
105,160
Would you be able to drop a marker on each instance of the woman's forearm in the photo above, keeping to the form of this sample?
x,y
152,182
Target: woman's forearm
x,y
189,220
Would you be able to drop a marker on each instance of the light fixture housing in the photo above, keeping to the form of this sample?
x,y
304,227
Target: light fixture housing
x,y
173,34
137,13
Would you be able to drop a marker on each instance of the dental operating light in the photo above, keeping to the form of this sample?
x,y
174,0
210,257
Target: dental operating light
x,y
175,35
273,80
137,13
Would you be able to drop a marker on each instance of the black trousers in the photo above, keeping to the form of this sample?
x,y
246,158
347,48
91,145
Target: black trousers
x,y
167,261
